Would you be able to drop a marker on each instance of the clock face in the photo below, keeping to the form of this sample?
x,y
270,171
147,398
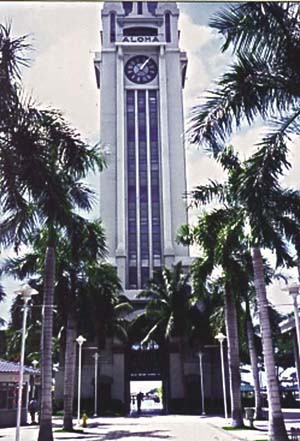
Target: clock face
x,y
141,69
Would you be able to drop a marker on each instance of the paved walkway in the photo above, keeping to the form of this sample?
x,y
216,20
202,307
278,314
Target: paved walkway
x,y
155,428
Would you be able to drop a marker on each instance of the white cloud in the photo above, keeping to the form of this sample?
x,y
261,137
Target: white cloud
x,y
205,62
65,36
193,35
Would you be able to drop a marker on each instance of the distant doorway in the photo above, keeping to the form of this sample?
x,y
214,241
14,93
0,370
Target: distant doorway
x,y
146,374
146,397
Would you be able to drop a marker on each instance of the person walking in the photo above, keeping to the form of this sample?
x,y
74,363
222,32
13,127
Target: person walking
x,y
33,408
139,399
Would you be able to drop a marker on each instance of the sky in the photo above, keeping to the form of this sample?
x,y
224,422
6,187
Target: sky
x,y
65,37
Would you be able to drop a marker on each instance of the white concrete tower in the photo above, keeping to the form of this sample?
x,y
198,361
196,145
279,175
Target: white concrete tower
x,y
141,72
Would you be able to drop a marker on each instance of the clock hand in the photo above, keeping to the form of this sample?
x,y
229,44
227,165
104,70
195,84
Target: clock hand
x,y
144,64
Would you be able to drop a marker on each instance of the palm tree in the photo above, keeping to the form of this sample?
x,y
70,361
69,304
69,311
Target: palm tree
x,y
212,293
218,234
271,215
271,212
85,245
83,284
48,197
264,79
168,311
42,141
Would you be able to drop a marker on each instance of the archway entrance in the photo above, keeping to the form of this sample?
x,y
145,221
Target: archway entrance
x,y
147,373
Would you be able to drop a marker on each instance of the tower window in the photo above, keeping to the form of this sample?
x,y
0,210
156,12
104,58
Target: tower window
x,y
139,31
127,6
152,7
140,8
112,27
168,27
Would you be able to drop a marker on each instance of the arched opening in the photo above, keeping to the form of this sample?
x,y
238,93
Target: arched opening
x,y
168,27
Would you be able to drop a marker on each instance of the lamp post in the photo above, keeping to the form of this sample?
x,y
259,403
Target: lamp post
x,y
80,340
200,355
96,357
25,292
221,337
293,291
34,364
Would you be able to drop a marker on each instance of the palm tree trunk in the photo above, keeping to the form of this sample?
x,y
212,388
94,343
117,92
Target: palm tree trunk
x,y
45,431
254,364
69,374
181,351
233,359
277,431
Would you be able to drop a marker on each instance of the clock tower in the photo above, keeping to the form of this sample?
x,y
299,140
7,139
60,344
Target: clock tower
x,y
141,72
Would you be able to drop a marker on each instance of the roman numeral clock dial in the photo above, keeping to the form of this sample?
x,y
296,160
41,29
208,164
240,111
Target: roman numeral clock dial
x,y
141,69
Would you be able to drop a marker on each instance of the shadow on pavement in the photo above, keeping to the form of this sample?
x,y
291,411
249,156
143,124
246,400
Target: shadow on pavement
x,y
118,434
82,436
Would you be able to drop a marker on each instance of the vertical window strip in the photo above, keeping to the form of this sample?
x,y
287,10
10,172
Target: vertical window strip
x,y
168,27
138,213
112,27
149,187
143,187
131,188
155,179
140,8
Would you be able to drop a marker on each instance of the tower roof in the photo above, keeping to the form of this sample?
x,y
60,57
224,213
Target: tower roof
x,y
139,9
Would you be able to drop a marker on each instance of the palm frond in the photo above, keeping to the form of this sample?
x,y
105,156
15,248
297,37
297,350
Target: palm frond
x,y
21,267
239,24
205,194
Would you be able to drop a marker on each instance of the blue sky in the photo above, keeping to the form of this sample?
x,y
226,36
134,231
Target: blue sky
x,y
65,37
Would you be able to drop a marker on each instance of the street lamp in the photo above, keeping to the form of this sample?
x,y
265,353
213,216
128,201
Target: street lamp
x,y
34,364
25,292
96,357
80,340
200,354
293,291
221,337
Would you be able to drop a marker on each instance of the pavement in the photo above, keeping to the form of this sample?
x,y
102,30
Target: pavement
x,y
156,427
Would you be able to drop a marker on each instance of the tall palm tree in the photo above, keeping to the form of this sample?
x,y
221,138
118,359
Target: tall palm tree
x,y
271,214
85,247
218,234
42,141
271,217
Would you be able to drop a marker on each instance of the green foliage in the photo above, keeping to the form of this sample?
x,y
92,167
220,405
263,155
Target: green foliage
x,y
84,284
263,80
168,309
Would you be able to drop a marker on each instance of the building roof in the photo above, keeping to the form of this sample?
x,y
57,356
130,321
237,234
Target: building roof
x,y
13,367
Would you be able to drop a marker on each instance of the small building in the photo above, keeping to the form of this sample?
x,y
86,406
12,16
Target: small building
x,y
9,384
287,326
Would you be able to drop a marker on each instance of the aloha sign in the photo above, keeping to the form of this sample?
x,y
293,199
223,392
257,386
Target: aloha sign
x,y
141,39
